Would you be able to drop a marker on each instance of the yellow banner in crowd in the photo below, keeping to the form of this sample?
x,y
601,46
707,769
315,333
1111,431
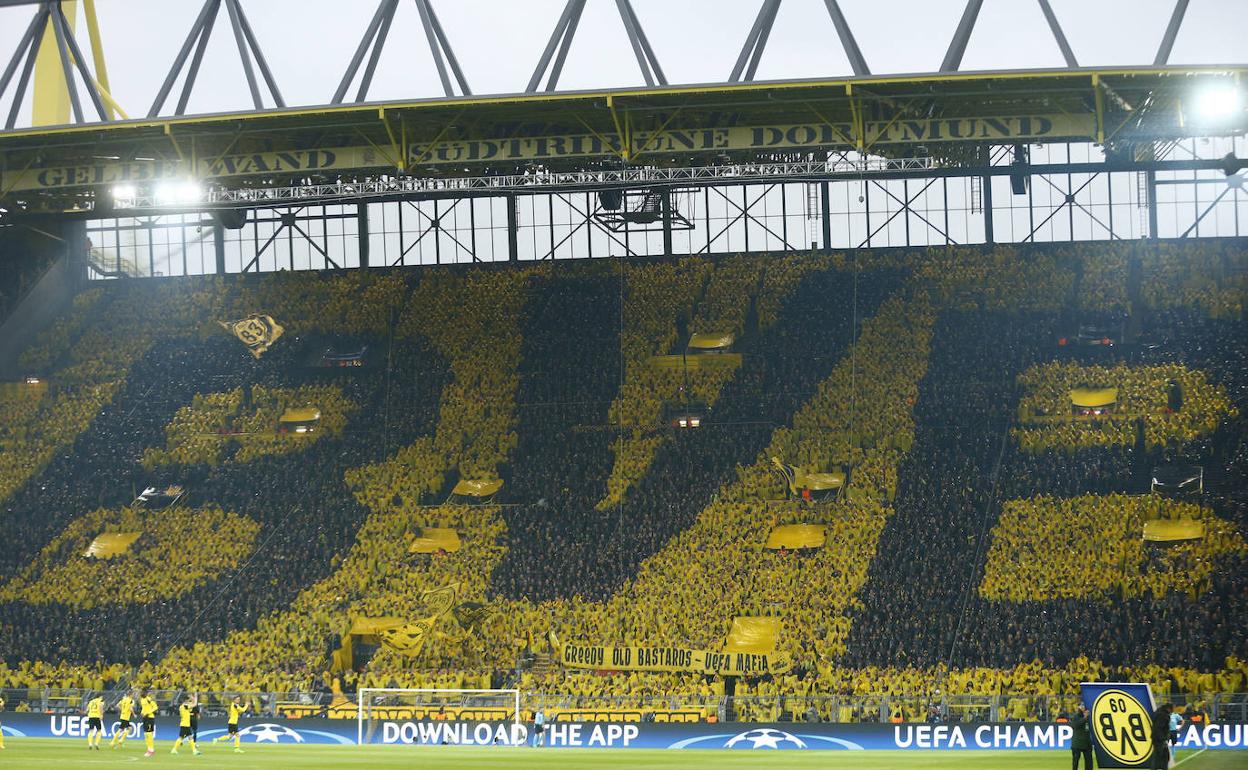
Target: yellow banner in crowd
x,y
673,659
408,638
753,634
257,332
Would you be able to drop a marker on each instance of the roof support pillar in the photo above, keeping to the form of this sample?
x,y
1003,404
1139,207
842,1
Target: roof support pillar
x,y
57,18
1058,35
197,38
646,60
561,40
29,45
852,52
990,236
756,41
961,36
561,37
374,40
1172,31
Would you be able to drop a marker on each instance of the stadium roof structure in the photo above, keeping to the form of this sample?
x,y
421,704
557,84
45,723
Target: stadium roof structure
x,y
951,117
776,164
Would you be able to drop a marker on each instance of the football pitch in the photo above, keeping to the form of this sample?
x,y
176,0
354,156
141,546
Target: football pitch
x,y
65,754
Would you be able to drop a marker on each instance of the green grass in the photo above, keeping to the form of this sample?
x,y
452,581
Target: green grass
x,y
64,754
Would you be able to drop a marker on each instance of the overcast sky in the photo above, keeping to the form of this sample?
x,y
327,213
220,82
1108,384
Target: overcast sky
x,y
309,42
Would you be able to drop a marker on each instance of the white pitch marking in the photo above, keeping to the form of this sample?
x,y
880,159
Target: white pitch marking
x,y
1193,756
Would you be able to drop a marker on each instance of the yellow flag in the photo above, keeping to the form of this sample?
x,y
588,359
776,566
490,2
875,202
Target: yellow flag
x,y
257,332
409,638
439,601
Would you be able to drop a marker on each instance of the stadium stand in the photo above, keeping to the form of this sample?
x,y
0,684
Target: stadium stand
x,y
933,386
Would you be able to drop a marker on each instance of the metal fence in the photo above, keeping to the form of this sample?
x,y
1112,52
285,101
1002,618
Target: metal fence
x,y
872,708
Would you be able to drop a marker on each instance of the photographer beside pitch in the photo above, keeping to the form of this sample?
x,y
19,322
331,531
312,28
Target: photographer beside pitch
x,y
1081,741
1161,737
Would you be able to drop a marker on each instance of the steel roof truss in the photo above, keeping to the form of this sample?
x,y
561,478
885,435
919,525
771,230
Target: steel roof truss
x,y
197,38
561,40
31,39
756,41
375,36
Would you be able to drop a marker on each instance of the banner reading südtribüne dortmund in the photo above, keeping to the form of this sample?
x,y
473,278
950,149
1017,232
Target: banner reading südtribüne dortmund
x,y
539,147
672,659
762,138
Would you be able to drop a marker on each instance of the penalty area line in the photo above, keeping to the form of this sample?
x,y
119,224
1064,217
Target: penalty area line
x,y
1193,756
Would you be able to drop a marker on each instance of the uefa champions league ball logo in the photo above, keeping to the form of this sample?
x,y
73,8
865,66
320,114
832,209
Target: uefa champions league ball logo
x,y
271,733
765,738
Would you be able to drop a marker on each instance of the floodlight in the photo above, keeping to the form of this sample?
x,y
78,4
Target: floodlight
x,y
178,192
124,194
189,192
1217,102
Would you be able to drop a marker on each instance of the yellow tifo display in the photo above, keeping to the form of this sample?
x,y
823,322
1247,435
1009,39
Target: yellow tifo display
x,y
133,556
715,297
275,421
1124,394
1048,547
376,577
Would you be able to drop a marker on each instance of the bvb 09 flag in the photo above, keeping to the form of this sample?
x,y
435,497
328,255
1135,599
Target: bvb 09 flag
x,y
1120,722
257,332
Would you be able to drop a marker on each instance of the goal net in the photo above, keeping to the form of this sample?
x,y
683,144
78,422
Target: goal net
x,y
431,716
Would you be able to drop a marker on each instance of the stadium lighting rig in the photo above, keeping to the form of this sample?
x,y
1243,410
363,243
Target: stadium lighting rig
x,y
188,194
169,193
1218,103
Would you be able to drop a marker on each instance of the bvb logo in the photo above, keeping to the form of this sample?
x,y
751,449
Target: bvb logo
x,y
1121,724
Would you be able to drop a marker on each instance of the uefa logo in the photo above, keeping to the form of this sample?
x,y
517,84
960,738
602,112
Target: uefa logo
x,y
271,733
765,738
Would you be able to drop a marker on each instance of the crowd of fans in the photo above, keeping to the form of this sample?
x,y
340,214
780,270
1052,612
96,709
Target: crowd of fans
x,y
177,549
1048,547
216,425
921,606
1144,395
305,512
906,372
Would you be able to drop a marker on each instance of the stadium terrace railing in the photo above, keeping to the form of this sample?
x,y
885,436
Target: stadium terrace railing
x,y
64,700
1221,707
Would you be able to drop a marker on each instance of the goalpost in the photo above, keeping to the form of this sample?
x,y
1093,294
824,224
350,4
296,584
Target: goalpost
x,y
375,705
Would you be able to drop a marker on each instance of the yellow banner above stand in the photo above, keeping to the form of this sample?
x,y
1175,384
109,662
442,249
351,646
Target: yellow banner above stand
x,y
111,544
